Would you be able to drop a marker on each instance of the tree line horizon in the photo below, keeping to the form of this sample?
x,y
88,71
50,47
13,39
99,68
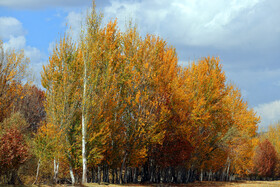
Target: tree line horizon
x,y
116,107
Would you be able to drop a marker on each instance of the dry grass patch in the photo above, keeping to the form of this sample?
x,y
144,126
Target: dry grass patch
x,y
195,184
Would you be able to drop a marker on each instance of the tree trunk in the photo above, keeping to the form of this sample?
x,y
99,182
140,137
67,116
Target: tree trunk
x,y
84,127
121,170
37,173
116,175
84,177
210,175
72,175
183,175
13,178
113,176
92,175
98,175
120,175
104,173
135,175
164,172
55,170
201,175
125,175
228,175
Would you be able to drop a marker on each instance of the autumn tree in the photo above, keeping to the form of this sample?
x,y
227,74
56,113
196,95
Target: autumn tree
x,y
100,50
240,140
199,110
203,110
48,145
13,68
31,104
273,135
61,78
265,159
14,150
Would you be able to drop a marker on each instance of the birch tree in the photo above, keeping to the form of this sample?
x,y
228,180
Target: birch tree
x,y
61,79
89,47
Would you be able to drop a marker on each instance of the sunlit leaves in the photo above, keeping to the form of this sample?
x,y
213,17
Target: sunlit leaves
x,y
13,69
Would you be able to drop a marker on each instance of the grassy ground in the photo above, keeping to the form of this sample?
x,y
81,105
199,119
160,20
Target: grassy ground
x,y
195,184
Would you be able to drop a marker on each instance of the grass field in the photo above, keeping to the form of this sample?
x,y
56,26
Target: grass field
x,y
195,184
238,184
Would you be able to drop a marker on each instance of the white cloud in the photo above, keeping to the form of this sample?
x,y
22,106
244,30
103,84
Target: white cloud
x,y
74,21
215,23
269,112
10,27
35,4
12,31
15,43
51,46
221,24
34,54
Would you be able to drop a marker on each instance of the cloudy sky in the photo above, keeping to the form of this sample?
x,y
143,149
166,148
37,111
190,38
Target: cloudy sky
x,y
245,34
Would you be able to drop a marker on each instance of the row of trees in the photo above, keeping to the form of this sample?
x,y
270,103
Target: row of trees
x,y
119,103
21,110
267,155
117,108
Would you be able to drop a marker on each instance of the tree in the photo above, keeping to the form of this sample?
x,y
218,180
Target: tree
x,y
199,110
265,159
31,104
243,134
13,68
14,150
92,53
61,78
273,135
49,146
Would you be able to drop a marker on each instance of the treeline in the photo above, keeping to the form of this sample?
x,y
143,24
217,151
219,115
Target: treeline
x,y
266,161
21,111
119,109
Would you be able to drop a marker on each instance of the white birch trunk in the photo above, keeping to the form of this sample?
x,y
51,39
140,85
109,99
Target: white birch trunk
x,y
84,126
72,175
37,173
201,175
55,170
228,178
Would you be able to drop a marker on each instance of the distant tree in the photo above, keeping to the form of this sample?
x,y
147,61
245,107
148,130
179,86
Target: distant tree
x,y
31,104
13,69
13,153
265,159
273,135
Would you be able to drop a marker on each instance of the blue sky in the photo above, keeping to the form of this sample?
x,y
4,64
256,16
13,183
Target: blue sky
x,y
245,34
